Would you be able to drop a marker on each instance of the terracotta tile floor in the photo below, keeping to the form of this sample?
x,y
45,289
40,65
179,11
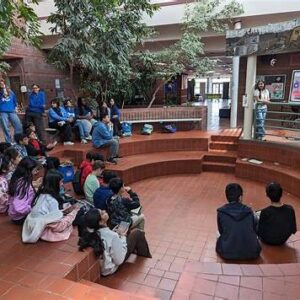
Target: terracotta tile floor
x,y
181,229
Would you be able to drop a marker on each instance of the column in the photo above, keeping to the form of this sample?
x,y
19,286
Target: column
x,y
250,83
235,84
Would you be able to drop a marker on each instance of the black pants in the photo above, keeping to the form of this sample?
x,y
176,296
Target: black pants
x,y
117,126
137,244
37,120
65,130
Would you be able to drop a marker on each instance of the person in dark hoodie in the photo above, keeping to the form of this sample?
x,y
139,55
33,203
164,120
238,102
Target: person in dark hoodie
x,y
237,227
35,110
277,222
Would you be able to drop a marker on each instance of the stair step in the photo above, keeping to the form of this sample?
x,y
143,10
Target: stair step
x,y
230,146
224,138
218,167
220,158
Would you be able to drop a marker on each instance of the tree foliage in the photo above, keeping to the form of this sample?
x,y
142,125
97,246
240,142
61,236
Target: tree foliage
x,y
97,39
17,20
188,52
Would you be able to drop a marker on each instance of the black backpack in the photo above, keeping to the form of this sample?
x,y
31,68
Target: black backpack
x,y
76,182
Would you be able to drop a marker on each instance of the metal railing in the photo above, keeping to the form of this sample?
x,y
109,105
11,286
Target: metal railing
x,y
281,120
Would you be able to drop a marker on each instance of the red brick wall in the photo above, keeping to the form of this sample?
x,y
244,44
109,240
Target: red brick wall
x,y
31,66
285,64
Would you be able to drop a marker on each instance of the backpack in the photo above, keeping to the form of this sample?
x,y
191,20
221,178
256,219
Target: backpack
x,y
126,129
169,128
147,129
117,211
76,182
67,171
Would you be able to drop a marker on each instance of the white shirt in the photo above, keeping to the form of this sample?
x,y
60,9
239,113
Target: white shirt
x,y
265,96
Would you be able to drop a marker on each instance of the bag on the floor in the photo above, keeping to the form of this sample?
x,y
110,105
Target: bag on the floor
x,y
68,172
76,182
126,129
169,128
147,129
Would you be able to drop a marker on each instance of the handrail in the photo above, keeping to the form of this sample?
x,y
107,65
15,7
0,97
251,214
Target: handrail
x,y
284,123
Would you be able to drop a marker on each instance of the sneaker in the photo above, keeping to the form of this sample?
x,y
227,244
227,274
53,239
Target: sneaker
x,y
68,143
89,137
84,141
112,161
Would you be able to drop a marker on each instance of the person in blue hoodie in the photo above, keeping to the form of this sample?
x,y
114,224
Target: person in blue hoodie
x,y
72,113
35,110
237,227
59,119
8,104
103,193
103,137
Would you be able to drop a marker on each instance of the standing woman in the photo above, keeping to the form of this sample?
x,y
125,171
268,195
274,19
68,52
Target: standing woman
x,y
35,110
115,117
8,104
262,98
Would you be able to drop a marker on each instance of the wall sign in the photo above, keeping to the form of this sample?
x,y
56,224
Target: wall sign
x,y
295,87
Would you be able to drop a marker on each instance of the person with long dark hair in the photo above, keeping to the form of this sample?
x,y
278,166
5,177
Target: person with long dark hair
x,y
21,190
85,114
113,247
59,119
14,157
36,109
5,166
8,105
49,220
262,98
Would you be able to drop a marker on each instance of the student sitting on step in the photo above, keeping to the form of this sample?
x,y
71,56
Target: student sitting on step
x,y
277,222
22,141
119,207
49,220
92,181
113,247
103,193
237,227
87,165
103,137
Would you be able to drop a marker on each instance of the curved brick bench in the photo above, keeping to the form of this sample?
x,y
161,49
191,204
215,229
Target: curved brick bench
x,y
280,163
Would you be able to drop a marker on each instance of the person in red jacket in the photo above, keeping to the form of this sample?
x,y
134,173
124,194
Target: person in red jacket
x,y
87,165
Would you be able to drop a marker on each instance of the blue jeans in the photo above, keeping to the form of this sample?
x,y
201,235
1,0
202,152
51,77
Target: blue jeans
x,y
83,132
5,119
260,122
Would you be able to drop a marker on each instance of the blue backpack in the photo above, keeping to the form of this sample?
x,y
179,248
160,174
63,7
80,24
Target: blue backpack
x,y
126,129
169,128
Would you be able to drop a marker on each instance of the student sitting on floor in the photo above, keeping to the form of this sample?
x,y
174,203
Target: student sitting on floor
x,y
277,222
5,166
237,227
103,137
48,220
4,146
59,119
112,246
103,193
92,181
119,207
22,141
35,148
87,165
14,157
22,190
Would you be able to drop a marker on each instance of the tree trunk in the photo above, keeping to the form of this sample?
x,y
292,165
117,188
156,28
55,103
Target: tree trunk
x,y
155,92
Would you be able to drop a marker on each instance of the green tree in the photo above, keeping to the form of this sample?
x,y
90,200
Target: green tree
x,y
97,39
188,52
17,20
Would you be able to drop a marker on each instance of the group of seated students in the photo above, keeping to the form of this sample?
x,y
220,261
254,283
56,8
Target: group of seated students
x,y
240,228
33,196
